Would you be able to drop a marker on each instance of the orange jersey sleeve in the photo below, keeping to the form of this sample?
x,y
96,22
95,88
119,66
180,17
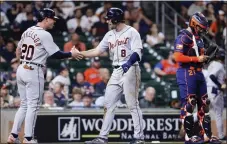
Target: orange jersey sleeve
x,y
180,57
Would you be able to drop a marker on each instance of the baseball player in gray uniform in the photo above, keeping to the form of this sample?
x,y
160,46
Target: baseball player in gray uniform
x,y
35,46
216,87
124,43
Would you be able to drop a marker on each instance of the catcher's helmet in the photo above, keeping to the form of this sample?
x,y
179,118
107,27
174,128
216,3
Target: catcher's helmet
x,y
198,20
46,12
116,15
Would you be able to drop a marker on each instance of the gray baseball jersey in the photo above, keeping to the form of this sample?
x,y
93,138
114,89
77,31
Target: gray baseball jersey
x,y
36,45
121,46
216,68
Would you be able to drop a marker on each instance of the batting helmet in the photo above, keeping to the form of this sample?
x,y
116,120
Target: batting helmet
x,y
198,20
46,13
116,15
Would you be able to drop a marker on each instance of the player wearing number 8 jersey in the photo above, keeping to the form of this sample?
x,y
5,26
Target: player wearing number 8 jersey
x,y
35,46
124,44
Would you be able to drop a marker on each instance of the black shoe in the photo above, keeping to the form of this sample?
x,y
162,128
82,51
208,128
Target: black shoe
x,y
137,141
97,140
224,138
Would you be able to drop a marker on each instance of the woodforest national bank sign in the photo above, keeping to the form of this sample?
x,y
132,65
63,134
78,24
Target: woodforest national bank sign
x,y
80,128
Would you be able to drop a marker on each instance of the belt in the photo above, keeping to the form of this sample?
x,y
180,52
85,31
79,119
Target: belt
x,y
116,67
31,63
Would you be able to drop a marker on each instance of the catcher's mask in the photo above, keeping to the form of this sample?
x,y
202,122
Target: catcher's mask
x,y
199,24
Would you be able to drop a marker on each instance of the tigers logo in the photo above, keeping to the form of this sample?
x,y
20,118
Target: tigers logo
x,y
118,42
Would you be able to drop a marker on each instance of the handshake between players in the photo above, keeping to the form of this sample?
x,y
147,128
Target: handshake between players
x,y
76,54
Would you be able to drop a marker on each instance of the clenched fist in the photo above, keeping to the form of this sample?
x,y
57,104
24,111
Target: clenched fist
x,y
202,58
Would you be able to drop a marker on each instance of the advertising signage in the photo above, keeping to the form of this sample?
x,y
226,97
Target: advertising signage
x,y
80,128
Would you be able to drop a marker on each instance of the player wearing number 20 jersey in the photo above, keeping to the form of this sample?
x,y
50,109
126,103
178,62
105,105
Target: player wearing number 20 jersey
x,y
35,46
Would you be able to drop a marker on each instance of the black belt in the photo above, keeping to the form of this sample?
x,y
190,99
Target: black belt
x,y
31,63
116,67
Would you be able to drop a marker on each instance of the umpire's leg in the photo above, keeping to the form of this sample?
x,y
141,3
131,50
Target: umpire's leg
x,y
217,104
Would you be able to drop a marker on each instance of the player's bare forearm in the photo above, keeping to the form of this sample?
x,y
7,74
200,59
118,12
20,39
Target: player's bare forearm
x,y
91,53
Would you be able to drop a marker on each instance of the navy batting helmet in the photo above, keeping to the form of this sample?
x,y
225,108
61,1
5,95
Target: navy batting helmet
x,y
46,13
116,15
198,20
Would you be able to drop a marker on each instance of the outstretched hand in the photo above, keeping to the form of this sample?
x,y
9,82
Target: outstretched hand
x,y
76,53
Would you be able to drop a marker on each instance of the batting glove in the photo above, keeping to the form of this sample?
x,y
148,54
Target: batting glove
x,y
125,67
